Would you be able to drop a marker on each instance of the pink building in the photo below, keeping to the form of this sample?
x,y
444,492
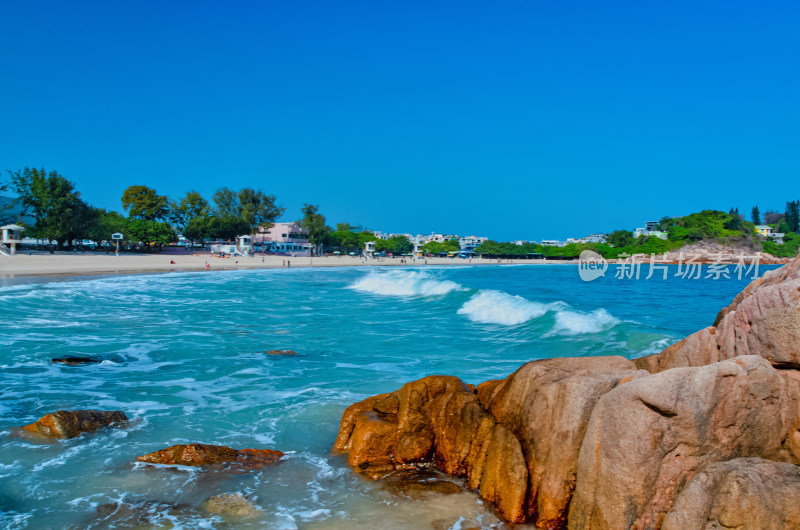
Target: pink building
x,y
283,238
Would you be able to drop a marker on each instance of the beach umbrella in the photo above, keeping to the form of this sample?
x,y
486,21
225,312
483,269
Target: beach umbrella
x,y
337,252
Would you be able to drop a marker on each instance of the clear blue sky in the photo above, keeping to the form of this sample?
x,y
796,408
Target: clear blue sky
x,y
530,119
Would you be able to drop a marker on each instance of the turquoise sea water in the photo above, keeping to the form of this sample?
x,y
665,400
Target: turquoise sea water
x,y
183,358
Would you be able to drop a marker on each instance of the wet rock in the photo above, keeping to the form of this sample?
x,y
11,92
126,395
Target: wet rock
x,y
71,423
213,457
646,438
70,360
232,506
740,493
280,352
417,484
515,440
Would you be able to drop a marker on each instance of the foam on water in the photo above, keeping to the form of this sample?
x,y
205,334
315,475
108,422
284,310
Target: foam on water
x,y
497,307
404,283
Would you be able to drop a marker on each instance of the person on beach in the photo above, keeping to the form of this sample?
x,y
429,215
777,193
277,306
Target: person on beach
x,y
288,264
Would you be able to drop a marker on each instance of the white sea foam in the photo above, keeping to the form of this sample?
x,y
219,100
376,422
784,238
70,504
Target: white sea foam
x,y
576,323
404,283
497,307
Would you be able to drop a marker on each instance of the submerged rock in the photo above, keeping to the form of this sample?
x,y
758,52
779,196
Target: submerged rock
x,y
145,515
71,423
280,352
688,438
232,506
71,360
213,457
417,484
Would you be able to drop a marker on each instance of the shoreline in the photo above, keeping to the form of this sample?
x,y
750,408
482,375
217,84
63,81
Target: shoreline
x,y
23,266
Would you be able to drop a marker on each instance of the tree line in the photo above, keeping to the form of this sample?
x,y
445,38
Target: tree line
x,y
151,220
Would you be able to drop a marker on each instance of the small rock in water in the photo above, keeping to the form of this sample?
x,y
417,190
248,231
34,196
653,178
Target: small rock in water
x,y
71,360
71,423
280,352
231,506
214,457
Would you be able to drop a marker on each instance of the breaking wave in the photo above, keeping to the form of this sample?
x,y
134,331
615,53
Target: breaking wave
x,y
496,307
404,283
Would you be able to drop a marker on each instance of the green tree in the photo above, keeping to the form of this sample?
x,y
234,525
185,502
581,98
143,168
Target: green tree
x,y
144,203
51,199
755,215
149,233
257,209
314,222
620,238
395,245
792,216
184,212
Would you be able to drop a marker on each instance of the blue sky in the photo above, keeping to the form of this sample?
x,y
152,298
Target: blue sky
x,y
515,120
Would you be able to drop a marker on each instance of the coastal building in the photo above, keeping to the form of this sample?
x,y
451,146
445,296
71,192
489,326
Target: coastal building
x,y
11,237
468,244
552,243
283,238
650,229
591,238
766,231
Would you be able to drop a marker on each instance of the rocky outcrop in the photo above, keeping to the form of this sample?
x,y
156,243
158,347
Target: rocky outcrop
x,y
212,457
648,437
71,423
741,493
605,442
764,320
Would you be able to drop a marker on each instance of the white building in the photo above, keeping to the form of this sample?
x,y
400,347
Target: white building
x,y
552,243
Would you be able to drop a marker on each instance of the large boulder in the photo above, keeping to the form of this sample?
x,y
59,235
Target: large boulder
x,y
71,423
212,457
747,493
515,440
646,438
764,320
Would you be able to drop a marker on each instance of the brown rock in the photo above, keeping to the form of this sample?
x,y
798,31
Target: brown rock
x,y
515,440
71,423
740,493
547,405
280,352
212,456
646,438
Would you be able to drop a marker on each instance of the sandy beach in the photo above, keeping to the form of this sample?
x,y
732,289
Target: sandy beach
x,y
89,263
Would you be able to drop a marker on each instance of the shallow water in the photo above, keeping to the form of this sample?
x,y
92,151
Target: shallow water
x,y
184,358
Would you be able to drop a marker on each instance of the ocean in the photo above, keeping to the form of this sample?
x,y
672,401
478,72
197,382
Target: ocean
x,y
183,357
